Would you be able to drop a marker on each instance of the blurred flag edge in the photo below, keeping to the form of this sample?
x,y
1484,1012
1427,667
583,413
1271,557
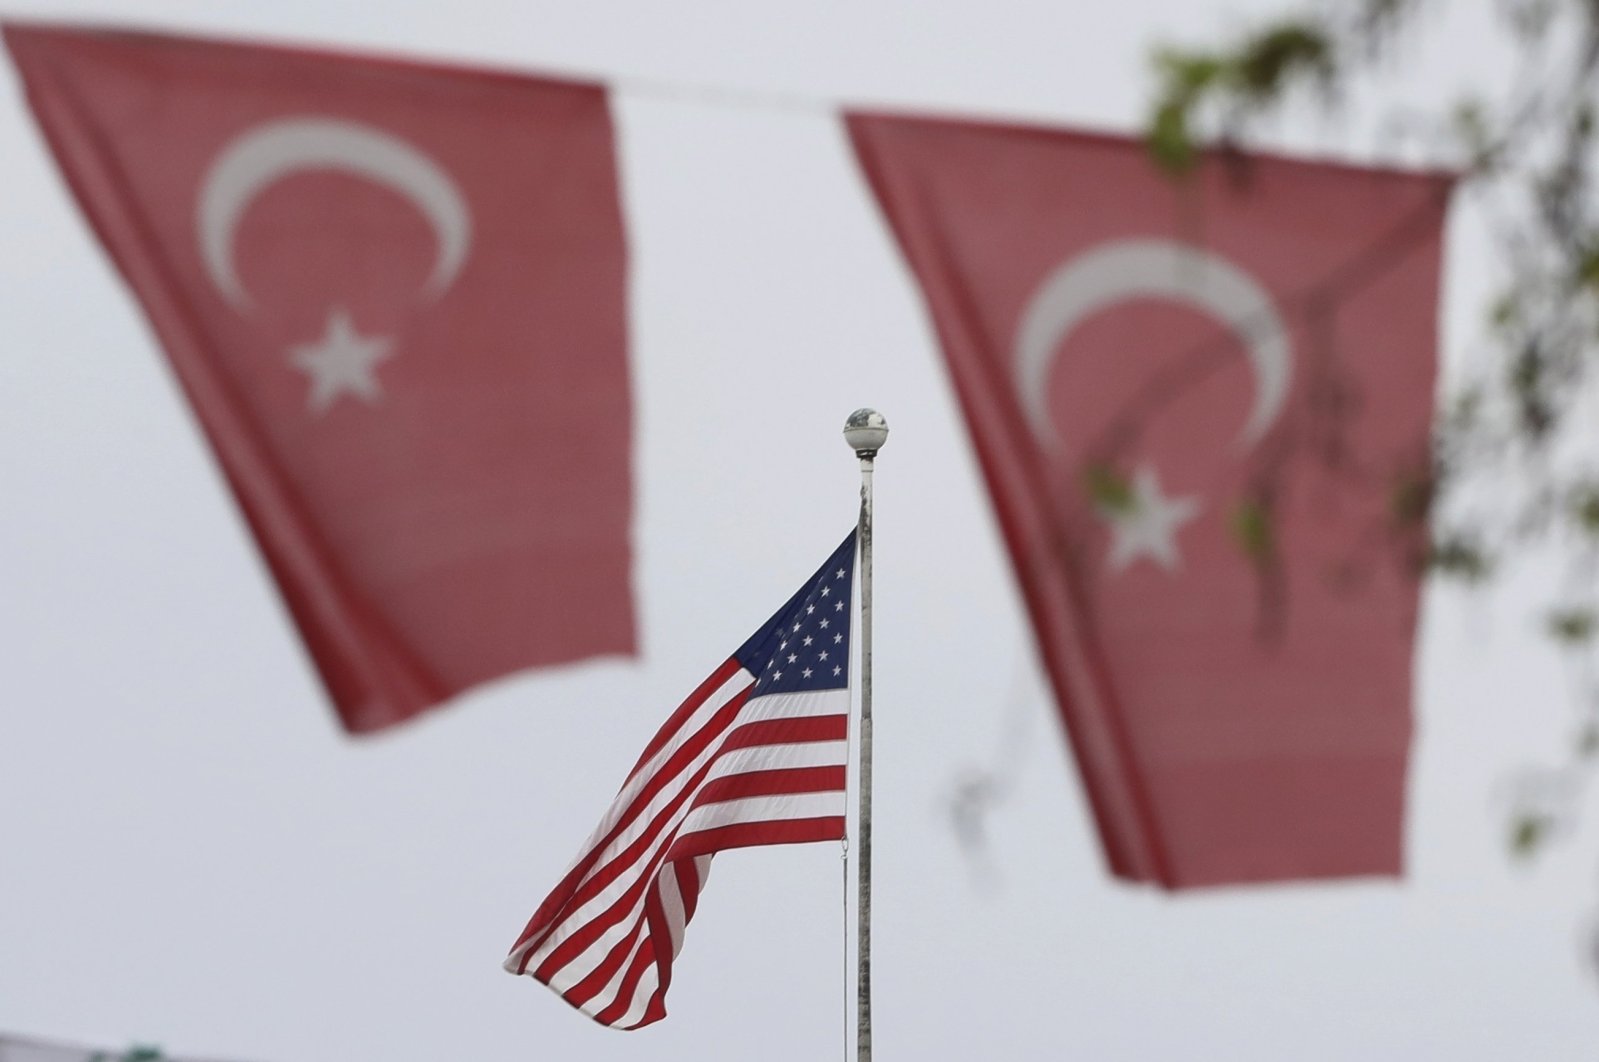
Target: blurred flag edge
x,y
438,474
1209,755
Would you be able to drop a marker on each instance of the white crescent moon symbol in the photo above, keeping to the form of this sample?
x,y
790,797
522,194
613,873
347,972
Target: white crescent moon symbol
x,y
262,155
1159,269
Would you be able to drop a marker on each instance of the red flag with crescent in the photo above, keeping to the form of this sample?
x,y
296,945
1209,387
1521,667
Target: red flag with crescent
x,y
393,294
1203,407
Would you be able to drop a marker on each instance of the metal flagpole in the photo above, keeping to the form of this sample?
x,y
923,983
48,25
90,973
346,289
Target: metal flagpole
x,y
865,431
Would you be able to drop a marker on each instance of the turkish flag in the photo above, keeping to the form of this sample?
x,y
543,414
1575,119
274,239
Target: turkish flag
x,y
394,295
1202,407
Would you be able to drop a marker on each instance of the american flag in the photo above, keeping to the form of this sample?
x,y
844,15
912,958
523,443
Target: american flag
x,y
755,756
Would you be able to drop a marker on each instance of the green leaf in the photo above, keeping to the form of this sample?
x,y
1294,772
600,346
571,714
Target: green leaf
x,y
1470,124
1411,501
1467,407
1587,265
1526,372
1268,61
1527,832
1252,529
1461,557
1585,509
1108,489
1528,378
1187,78
1582,120
1169,141
1573,626
1505,312
1186,75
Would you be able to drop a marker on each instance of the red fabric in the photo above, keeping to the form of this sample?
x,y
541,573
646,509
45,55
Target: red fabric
x,y
394,294
1258,339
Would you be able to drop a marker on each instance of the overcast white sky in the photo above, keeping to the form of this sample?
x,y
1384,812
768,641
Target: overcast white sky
x,y
191,853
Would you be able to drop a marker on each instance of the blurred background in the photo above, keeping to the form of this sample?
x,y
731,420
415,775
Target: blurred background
x,y
192,853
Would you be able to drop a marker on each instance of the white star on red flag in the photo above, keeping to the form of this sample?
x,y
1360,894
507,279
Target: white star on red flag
x,y
341,362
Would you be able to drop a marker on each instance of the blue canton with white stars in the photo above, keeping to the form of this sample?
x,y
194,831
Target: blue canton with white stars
x,y
805,646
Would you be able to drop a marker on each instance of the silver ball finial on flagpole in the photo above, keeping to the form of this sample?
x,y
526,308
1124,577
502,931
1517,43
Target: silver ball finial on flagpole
x,y
866,431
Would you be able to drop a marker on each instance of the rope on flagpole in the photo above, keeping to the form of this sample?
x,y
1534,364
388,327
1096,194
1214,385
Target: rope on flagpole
x,y
865,431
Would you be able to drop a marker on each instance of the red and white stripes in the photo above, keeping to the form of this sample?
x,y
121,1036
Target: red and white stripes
x,y
728,770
